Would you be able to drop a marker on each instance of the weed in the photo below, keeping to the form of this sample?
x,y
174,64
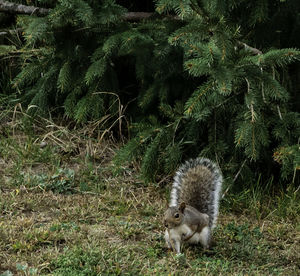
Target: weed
x,y
244,243
62,181
22,269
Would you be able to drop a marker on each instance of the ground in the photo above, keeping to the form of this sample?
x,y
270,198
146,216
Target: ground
x,y
65,210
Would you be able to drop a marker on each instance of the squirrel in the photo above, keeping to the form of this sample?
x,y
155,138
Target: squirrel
x,y
194,204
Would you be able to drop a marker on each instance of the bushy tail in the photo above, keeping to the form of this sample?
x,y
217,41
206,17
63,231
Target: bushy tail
x,y
202,195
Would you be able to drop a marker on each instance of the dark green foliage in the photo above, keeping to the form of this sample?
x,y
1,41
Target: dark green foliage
x,y
190,84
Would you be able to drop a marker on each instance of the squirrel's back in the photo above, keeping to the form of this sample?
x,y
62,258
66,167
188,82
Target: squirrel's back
x,y
198,183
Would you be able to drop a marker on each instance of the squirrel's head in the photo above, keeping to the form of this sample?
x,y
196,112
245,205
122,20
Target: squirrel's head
x,y
174,215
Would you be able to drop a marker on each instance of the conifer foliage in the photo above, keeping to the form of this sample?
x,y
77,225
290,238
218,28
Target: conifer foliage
x,y
190,82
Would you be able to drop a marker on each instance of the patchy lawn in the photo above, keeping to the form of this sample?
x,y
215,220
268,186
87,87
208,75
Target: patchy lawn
x,y
65,212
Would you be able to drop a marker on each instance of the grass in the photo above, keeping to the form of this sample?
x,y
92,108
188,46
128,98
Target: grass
x,y
64,212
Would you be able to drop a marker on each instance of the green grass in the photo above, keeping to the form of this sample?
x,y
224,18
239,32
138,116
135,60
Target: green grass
x,y
63,212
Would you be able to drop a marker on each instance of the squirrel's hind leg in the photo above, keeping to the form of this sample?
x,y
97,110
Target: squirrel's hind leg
x,y
205,237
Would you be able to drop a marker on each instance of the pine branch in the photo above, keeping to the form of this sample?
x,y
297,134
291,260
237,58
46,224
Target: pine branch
x,y
14,8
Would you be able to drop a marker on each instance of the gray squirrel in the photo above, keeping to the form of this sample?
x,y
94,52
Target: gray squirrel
x,y
194,204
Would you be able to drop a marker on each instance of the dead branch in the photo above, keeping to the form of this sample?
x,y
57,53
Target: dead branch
x,y
15,8
10,32
136,16
249,48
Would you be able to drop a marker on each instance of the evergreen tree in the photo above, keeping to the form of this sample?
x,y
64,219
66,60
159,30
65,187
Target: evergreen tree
x,y
190,82
239,107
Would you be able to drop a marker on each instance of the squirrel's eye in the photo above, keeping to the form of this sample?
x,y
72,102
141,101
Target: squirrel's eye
x,y
176,215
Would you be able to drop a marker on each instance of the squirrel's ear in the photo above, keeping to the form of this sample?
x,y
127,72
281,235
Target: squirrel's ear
x,y
182,206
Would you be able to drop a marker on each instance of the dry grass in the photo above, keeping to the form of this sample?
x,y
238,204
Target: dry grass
x,y
63,212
